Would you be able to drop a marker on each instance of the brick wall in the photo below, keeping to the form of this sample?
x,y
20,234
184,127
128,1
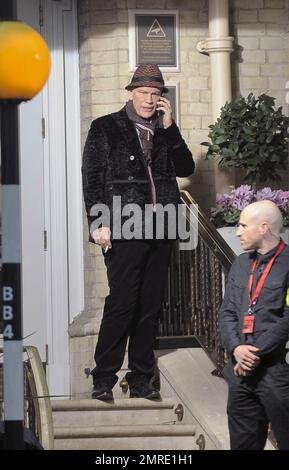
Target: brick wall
x,y
260,28
260,60
259,64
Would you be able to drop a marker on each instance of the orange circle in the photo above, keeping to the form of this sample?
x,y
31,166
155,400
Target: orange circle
x,y
24,61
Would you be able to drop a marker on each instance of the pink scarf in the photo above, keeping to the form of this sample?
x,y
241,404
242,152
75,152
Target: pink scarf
x,y
145,130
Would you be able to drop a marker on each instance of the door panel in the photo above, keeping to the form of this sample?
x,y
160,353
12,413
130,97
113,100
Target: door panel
x,y
32,202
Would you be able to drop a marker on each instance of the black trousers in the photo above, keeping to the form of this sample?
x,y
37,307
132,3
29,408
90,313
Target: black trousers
x,y
255,401
137,277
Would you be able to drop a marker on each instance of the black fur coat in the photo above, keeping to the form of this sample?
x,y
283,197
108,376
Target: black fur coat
x,y
114,165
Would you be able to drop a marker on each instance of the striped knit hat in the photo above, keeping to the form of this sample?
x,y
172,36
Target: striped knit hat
x,y
147,75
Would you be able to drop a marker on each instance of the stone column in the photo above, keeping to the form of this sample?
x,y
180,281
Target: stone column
x,y
219,46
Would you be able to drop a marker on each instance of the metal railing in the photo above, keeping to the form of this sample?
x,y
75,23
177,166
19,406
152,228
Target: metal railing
x,y
196,281
37,406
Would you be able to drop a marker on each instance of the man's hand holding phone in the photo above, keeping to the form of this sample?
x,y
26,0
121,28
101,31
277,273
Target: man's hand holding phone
x,y
164,106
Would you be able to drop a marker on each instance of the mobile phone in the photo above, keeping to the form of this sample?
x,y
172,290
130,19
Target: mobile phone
x,y
160,118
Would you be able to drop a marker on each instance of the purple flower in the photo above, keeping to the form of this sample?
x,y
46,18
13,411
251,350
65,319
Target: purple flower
x,y
229,205
265,193
237,199
242,196
224,201
281,198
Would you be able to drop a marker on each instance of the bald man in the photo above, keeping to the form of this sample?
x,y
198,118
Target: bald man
x,y
254,322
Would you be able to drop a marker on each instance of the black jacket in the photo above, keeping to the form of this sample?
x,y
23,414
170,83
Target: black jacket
x,y
114,165
271,328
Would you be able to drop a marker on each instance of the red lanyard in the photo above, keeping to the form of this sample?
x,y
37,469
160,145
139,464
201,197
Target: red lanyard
x,y
253,299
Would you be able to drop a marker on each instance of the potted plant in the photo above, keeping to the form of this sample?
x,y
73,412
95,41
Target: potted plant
x,y
251,135
229,206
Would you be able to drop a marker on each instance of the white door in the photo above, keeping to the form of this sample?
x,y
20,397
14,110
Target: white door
x,y
33,213
51,193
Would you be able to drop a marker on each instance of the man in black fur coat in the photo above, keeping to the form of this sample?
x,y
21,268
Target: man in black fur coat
x,y
130,163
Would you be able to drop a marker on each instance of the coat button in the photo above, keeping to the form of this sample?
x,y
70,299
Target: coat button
x,y
131,157
130,178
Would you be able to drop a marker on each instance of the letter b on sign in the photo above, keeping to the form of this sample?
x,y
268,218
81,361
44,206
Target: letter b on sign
x,y
7,294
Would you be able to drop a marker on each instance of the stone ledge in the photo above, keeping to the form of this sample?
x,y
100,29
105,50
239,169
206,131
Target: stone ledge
x,y
203,394
84,324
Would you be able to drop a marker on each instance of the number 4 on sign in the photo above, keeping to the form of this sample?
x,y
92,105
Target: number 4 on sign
x,y
8,333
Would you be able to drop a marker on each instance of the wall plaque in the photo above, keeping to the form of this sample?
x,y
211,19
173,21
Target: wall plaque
x,y
153,38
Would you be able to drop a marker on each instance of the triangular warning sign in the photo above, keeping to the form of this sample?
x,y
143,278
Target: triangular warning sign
x,y
156,30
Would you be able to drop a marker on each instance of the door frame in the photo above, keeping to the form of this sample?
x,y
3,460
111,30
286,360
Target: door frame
x,y
63,193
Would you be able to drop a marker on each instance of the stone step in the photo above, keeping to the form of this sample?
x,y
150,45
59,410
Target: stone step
x,y
120,404
85,384
129,411
137,437
132,443
86,394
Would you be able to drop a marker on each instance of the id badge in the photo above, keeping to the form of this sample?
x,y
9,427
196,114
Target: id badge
x,y
248,324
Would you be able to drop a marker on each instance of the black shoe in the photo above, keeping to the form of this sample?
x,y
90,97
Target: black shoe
x,y
102,391
140,387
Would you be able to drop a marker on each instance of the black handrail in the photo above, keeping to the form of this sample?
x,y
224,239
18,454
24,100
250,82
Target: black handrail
x,y
196,281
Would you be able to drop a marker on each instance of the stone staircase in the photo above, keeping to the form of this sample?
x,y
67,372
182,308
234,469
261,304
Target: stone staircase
x,y
190,416
187,387
124,424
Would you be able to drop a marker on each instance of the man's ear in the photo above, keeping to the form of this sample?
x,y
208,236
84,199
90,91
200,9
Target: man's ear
x,y
264,228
